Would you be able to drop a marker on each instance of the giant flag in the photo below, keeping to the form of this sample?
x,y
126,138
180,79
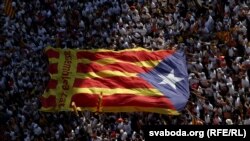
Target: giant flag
x,y
132,80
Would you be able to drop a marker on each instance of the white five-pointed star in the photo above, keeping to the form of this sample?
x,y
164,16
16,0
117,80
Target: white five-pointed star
x,y
170,79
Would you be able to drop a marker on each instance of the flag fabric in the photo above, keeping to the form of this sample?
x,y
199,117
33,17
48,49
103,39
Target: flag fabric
x,y
8,8
132,80
226,37
196,121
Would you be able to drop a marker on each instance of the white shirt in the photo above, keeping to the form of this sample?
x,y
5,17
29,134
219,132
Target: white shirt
x,y
207,119
97,139
81,24
125,7
209,23
231,52
245,82
247,121
89,129
57,134
231,89
38,130
197,109
237,102
120,125
27,138
127,128
12,135
124,136
136,17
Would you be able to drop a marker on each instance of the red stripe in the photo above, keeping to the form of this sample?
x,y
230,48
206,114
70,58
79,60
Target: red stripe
x,y
49,101
131,56
85,100
52,53
122,67
53,68
117,100
10,11
7,7
52,84
113,82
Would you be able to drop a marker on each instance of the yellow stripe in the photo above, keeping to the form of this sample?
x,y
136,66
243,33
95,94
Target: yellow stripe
x,y
66,82
140,109
72,79
104,61
107,61
101,74
50,109
147,64
108,91
106,73
48,93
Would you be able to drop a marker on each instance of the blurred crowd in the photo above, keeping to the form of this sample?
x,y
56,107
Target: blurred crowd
x,y
215,35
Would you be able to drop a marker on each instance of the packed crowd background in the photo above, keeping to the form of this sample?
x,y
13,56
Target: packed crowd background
x,y
215,35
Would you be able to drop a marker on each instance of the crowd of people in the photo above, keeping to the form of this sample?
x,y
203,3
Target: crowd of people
x,y
214,34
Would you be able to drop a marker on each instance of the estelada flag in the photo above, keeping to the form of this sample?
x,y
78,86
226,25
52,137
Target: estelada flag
x,y
132,80
8,8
